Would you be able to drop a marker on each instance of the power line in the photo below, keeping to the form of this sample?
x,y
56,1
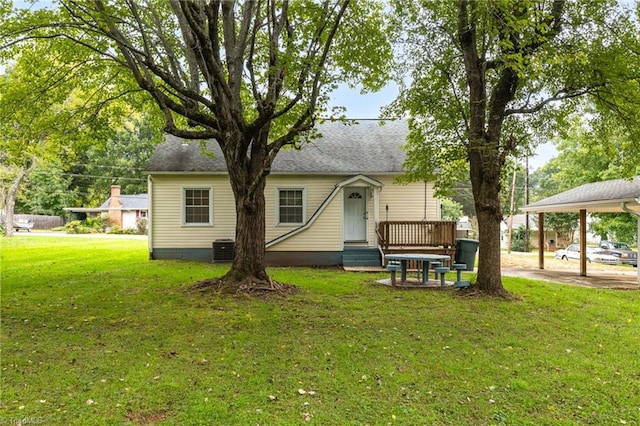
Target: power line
x,y
92,176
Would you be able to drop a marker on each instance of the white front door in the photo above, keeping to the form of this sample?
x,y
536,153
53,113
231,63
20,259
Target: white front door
x,y
355,214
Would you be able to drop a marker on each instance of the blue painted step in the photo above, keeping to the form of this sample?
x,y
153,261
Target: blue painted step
x,y
361,256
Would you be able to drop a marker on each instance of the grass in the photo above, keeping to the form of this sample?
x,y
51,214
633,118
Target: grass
x,y
95,334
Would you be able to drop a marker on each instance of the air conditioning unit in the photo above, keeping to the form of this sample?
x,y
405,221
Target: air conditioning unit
x,y
223,251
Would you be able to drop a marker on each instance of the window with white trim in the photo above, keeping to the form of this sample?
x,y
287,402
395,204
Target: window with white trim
x,y
290,206
198,206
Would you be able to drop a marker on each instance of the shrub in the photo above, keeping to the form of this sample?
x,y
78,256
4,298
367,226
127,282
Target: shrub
x,y
88,226
142,225
115,229
76,227
519,240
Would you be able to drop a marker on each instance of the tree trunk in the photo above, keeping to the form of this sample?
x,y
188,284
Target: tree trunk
x,y
248,178
489,279
248,266
485,167
10,200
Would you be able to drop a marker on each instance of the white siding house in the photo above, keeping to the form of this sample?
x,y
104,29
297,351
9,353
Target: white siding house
x,y
321,200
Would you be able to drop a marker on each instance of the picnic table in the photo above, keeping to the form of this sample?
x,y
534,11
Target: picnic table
x,y
423,258
22,224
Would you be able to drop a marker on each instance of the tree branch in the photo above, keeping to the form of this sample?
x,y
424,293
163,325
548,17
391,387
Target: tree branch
x,y
558,96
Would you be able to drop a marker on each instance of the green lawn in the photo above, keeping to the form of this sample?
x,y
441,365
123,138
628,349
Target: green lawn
x,y
95,333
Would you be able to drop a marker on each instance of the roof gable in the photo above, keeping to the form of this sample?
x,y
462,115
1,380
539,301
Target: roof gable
x,y
367,146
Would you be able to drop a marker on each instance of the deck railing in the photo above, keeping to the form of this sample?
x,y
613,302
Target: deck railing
x,y
417,234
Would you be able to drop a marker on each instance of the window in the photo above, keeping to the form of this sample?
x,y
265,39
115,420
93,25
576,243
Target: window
x,y
290,206
198,206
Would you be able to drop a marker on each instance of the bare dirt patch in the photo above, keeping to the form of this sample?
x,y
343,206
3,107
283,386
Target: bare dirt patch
x,y
525,265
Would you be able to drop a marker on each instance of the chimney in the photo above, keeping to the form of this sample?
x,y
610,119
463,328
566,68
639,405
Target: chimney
x,y
115,206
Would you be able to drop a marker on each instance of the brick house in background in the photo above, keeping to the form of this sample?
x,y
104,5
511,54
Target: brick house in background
x,y
122,210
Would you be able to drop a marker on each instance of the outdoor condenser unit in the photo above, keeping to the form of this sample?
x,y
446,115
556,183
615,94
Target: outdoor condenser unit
x,y
223,251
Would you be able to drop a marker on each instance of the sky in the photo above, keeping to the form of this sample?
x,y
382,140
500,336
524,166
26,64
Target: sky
x,y
370,104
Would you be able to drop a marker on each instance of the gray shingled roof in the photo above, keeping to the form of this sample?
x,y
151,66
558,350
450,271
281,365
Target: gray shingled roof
x,y
130,202
365,147
606,196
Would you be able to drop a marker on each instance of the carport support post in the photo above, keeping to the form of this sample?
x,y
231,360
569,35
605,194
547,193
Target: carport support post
x,y
541,240
637,214
583,243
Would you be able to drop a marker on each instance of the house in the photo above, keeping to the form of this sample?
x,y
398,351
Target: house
x,y
122,210
325,203
518,221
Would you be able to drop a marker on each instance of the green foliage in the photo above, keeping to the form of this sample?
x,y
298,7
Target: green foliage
x,y
99,331
565,226
76,227
616,226
484,81
116,229
579,146
451,210
254,76
519,240
118,160
46,191
56,99
516,36
88,226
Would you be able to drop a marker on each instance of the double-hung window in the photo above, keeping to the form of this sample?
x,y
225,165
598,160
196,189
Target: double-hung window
x,y
198,206
291,206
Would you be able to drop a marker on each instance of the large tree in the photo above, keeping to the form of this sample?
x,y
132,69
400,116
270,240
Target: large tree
x,y
55,100
489,79
31,123
253,75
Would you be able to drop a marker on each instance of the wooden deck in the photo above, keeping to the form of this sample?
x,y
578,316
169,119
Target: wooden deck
x,y
428,237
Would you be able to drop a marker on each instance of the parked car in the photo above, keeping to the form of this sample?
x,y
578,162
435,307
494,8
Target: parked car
x,y
620,250
594,254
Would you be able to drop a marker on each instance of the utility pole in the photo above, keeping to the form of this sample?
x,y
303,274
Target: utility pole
x,y
527,247
512,208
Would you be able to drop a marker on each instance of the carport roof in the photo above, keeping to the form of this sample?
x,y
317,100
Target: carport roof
x,y
597,197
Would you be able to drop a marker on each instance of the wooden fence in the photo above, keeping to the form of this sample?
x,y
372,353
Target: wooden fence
x,y
39,221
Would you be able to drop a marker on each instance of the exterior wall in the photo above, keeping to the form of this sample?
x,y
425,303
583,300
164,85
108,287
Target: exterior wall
x,y
326,232
167,230
170,238
407,202
129,219
324,235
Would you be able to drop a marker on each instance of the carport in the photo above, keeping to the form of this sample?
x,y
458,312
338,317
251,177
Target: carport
x,y
611,196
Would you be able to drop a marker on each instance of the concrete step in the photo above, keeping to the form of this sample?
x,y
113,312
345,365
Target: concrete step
x,y
361,256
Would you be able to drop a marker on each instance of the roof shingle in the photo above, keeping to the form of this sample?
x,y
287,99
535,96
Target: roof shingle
x,y
368,146
591,195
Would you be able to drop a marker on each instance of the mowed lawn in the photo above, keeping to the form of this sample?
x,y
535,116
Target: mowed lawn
x,y
93,333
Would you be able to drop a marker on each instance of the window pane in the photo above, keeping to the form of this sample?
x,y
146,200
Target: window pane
x,y
291,206
197,206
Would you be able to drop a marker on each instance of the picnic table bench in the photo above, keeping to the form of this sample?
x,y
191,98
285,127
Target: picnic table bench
x,y
22,224
398,262
403,259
